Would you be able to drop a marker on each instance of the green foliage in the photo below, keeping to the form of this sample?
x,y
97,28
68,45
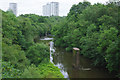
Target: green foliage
x,y
8,71
15,55
31,72
53,21
95,30
92,28
76,10
37,24
19,47
9,24
46,70
38,53
23,30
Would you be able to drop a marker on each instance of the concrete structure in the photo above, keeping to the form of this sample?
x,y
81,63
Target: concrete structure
x,y
54,8
76,52
47,10
51,9
13,8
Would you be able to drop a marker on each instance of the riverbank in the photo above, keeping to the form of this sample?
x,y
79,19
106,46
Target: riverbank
x,y
66,59
57,71
94,29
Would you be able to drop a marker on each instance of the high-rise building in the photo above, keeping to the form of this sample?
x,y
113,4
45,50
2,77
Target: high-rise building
x,y
47,10
13,8
54,8
51,9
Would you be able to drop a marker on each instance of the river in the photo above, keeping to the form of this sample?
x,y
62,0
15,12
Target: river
x,y
64,60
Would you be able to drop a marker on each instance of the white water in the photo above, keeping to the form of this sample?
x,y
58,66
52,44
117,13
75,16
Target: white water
x,y
59,65
52,50
47,39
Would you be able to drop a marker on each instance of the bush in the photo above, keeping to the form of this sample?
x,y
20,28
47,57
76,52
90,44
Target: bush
x,y
38,53
46,70
31,72
8,71
15,55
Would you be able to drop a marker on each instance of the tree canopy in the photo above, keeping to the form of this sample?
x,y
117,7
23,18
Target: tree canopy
x,y
95,30
22,55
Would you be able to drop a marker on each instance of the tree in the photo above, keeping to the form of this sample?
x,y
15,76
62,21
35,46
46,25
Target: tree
x,y
38,53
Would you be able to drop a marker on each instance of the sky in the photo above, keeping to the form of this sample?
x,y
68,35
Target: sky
x,y
35,6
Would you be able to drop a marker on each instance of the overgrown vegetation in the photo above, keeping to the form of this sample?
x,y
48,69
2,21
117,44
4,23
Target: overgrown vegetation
x,y
95,29
22,56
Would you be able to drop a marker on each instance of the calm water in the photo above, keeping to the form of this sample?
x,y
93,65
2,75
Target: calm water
x,y
64,60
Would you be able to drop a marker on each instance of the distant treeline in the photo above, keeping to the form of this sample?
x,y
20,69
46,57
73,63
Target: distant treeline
x,y
95,29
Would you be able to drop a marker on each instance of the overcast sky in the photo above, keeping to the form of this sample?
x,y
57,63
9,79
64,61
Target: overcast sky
x,y
35,6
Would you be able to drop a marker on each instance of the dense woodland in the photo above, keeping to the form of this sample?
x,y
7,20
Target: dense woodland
x,y
95,29
22,56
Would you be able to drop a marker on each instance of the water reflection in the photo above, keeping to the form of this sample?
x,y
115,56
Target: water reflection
x,y
64,60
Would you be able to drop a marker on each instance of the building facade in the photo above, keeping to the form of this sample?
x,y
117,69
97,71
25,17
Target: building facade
x,y
51,9
13,8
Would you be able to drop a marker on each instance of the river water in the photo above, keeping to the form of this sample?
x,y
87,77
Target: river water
x,y
65,60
